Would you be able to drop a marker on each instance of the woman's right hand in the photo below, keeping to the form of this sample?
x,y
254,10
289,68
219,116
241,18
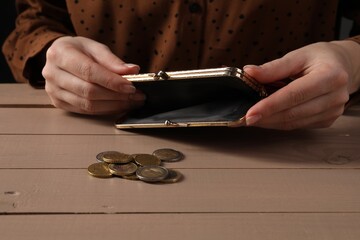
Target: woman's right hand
x,y
84,76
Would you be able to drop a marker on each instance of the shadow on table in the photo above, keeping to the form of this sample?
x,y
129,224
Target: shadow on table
x,y
353,111
310,147
319,147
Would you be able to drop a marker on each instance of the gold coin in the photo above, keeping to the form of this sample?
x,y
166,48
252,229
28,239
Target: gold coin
x,y
147,160
100,170
131,177
152,173
168,155
116,157
173,176
123,169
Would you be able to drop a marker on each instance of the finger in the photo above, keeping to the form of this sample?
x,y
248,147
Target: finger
x,y
297,92
81,105
288,66
312,107
85,89
85,68
105,57
321,124
322,119
70,108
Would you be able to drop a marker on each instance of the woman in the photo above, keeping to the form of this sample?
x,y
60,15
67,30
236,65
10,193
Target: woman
x,y
83,47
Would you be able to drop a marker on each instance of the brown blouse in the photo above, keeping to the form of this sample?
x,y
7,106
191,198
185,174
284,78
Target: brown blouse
x,y
175,34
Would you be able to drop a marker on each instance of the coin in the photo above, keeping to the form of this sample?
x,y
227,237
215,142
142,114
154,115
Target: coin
x,y
152,173
131,177
173,176
147,160
116,157
168,155
145,166
123,169
100,170
99,157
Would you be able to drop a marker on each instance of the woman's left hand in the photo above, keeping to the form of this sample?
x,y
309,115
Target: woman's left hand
x,y
324,75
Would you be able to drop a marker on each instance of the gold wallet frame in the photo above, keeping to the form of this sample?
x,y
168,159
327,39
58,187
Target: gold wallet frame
x,y
173,98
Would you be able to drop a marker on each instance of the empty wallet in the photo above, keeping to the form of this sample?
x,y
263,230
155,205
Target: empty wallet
x,y
193,98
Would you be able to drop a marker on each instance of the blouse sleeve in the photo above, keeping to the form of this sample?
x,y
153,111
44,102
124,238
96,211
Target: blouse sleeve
x,y
351,10
39,22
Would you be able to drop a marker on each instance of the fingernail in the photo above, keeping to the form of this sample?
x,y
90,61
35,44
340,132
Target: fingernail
x,y
253,119
130,65
128,89
239,123
251,66
137,96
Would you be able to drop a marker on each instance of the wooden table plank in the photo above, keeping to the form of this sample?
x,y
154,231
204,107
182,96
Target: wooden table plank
x,y
182,226
201,151
201,191
56,121
52,121
23,95
239,183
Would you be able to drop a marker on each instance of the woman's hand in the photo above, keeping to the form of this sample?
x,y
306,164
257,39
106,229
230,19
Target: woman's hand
x,y
84,76
324,74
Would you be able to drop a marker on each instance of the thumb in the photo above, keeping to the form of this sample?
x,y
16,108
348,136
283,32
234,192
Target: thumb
x,y
276,70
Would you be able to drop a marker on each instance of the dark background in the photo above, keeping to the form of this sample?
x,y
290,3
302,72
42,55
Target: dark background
x,y
8,14
7,24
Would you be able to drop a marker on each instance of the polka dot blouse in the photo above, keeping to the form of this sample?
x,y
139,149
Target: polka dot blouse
x,y
175,34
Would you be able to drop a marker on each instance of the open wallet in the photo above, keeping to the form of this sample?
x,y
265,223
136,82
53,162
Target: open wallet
x,y
193,98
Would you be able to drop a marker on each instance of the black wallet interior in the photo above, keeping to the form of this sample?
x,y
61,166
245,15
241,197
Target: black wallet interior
x,y
215,99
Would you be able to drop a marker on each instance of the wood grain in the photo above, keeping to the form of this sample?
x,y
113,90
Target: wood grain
x,y
182,226
201,151
16,95
244,183
56,121
52,121
201,191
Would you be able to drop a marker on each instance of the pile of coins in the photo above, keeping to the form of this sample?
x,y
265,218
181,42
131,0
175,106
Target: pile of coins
x,y
144,167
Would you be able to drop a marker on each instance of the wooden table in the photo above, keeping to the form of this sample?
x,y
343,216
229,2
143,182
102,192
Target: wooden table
x,y
244,183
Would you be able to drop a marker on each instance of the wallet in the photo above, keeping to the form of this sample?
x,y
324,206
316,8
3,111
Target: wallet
x,y
193,98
